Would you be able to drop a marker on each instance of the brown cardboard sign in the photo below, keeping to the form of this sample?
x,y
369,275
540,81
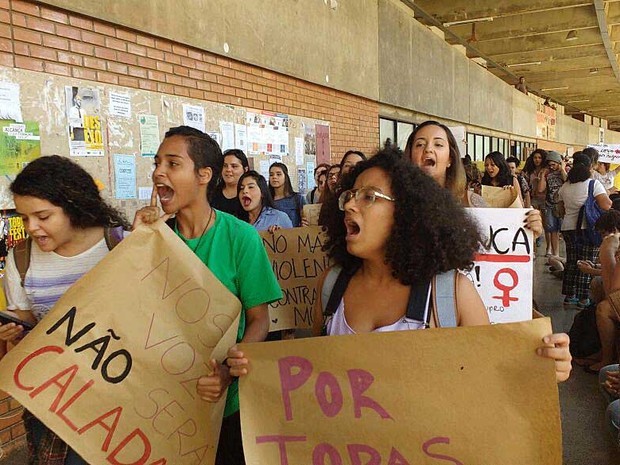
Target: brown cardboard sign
x,y
298,261
311,212
475,395
112,369
498,197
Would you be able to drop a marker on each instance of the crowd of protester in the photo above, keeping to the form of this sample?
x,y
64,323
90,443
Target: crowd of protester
x,y
395,226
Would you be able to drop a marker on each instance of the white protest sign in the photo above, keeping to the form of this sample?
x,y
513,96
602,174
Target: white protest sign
x,y
503,272
608,153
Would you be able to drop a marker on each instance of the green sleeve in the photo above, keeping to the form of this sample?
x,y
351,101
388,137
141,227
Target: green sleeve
x,y
256,282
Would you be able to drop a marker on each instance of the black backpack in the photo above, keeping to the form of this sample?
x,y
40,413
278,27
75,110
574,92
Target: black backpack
x,y
584,338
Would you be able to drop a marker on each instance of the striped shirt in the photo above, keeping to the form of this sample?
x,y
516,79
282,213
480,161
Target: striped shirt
x,y
48,277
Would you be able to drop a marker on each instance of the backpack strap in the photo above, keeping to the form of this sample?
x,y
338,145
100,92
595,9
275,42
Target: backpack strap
x,y
328,285
21,255
419,300
113,236
445,302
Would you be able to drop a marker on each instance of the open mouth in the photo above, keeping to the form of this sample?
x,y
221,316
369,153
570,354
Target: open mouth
x,y
165,193
353,229
246,201
428,162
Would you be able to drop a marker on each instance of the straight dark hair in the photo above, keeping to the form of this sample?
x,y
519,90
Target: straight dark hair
x,y
581,168
288,187
266,198
204,152
504,177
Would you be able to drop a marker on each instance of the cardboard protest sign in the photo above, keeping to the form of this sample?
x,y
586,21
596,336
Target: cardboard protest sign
x,y
498,197
311,212
503,272
476,395
298,261
608,153
112,369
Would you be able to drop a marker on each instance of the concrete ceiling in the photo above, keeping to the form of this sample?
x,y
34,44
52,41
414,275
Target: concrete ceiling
x,y
530,39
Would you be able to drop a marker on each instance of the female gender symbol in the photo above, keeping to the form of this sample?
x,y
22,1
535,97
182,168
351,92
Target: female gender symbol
x,y
505,298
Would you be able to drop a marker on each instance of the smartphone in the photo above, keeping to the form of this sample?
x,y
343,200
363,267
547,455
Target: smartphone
x,y
6,318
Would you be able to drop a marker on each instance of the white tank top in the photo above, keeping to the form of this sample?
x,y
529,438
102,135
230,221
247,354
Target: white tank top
x,y
337,324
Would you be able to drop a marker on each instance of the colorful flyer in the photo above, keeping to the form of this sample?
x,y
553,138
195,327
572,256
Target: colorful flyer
x,y
19,145
84,123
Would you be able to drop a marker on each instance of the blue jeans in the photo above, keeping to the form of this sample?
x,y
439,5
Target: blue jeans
x,y
38,430
612,414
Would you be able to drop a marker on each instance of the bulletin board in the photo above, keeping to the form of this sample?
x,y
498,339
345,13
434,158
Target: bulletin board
x,y
120,121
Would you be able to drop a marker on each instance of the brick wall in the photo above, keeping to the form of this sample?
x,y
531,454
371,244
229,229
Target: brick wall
x,y
48,40
39,38
12,433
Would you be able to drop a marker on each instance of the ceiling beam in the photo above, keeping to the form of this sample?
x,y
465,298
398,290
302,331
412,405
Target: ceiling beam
x,y
458,10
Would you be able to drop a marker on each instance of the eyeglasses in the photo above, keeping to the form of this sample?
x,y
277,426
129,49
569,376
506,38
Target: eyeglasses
x,y
364,197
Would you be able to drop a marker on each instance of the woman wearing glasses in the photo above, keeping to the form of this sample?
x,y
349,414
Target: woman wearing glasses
x,y
393,228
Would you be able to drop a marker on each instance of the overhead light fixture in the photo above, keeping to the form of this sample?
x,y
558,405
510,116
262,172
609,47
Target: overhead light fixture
x,y
577,101
468,21
593,70
554,88
528,63
572,35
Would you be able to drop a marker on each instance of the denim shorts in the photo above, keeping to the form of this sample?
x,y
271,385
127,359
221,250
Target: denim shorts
x,y
552,224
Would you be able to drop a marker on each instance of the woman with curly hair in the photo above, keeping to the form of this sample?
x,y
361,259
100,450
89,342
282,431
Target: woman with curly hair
x,y
66,219
392,231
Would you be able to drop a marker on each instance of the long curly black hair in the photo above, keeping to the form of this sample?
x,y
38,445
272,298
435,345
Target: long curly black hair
x,y
67,185
432,232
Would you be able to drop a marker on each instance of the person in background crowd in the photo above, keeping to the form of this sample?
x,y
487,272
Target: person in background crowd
x,y
521,86
551,179
66,219
258,206
513,164
433,148
285,198
573,194
391,228
349,160
606,176
333,177
497,173
473,178
314,196
532,170
225,198
187,165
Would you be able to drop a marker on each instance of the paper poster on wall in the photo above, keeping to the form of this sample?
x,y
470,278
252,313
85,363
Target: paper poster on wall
x,y
267,133
461,138
194,116
310,171
120,105
83,108
241,137
264,169
310,140
10,105
228,135
149,135
301,177
144,193
20,143
299,151
216,136
12,232
503,272
125,176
